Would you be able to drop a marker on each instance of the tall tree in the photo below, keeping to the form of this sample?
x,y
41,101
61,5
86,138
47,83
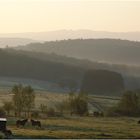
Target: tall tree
x,y
28,99
78,103
17,90
23,99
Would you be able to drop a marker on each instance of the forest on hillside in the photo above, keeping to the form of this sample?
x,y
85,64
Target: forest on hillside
x,y
102,50
59,69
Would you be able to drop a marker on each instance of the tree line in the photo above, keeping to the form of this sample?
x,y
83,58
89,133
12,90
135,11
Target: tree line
x,y
23,104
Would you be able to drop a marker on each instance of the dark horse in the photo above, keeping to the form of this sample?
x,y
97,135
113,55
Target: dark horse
x,y
36,123
21,122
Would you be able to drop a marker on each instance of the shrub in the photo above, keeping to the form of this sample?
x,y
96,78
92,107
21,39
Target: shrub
x,y
78,104
43,108
60,106
51,112
35,114
8,106
129,105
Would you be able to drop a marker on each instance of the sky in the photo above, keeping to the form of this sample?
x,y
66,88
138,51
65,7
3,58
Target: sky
x,y
47,15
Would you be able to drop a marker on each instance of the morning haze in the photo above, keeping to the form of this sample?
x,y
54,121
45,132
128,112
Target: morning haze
x,y
46,15
69,69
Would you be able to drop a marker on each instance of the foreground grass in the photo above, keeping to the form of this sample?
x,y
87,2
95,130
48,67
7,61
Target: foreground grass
x,y
80,127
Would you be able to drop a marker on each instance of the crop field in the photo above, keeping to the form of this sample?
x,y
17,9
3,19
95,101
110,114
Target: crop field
x,y
79,127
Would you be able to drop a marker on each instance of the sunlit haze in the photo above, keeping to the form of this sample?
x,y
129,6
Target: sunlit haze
x,y
46,15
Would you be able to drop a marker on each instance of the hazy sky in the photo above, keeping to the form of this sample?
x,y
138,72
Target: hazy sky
x,y
47,15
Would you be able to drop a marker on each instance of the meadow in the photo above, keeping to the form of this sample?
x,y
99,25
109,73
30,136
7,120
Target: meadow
x,y
52,98
79,127
73,126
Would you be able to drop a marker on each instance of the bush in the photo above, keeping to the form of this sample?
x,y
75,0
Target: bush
x,y
60,106
81,106
43,108
78,104
129,105
8,106
35,114
51,112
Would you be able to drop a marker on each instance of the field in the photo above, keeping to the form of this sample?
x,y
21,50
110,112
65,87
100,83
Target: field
x,y
51,98
79,127
74,127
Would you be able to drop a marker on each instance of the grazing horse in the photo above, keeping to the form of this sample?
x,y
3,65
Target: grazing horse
x,y
36,123
21,122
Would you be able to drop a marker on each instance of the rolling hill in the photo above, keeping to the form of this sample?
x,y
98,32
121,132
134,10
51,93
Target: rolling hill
x,y
15,65
47,65
47,71
113,51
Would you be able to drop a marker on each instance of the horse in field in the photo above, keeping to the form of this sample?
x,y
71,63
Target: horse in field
x,y
36,123
21,122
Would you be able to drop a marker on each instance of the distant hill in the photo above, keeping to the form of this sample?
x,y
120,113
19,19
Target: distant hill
x,y
55,68
124,69
10,42
113,51
48,71
74,34
16,65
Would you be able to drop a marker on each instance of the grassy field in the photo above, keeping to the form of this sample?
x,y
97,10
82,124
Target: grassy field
x,y
74,127
42,97
79,127
51,98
